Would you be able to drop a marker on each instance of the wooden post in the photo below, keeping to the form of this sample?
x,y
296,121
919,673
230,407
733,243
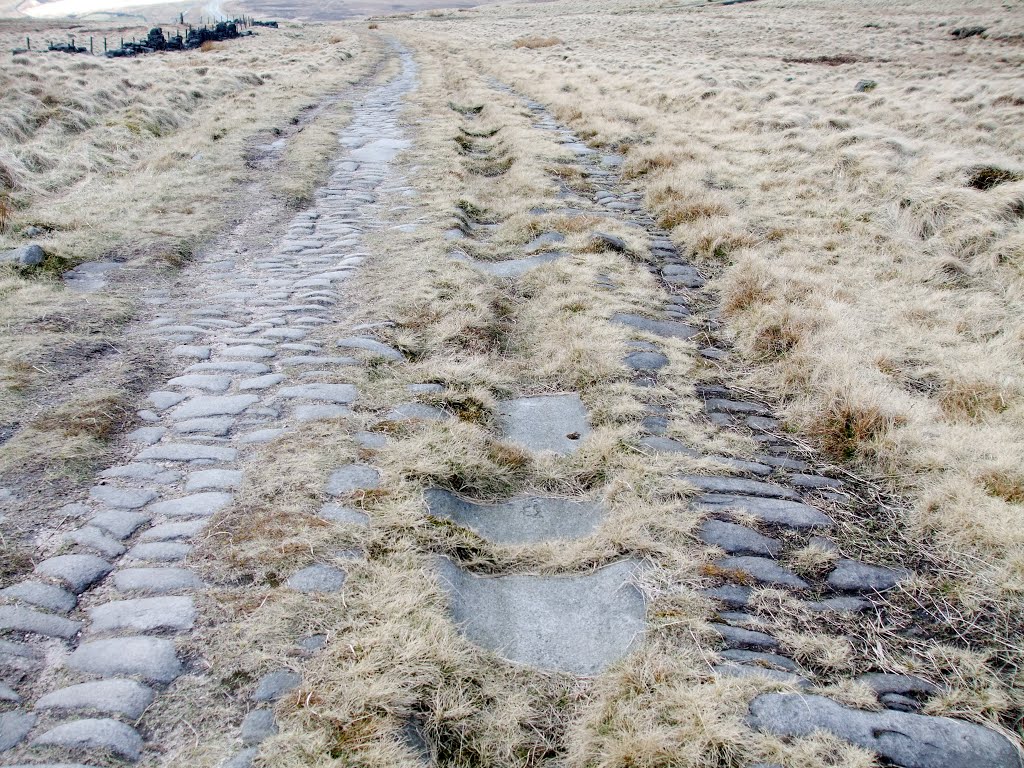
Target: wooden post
x,y
90,45
28,42
104,45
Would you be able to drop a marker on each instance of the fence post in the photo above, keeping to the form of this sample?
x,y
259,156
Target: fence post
x,y
104,45
90,45
28,42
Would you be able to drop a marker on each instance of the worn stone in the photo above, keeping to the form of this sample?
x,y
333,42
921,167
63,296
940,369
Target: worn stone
x,y
196,505
99,733
667,445
885,682
645,361
119,523
372,346
331,393
351,479
201,406
760,659
912,741
54,599
151,658
854,576
122,498
737,539
157,580
121,697
164,400
146,435
192,351
555,423
187,452
842,604
9,694
742,670
204,381
213,425
520,520
578,624
14,727
229,366
763,570
261,436
320,412
214,479
511,268
745,638
79,572
249,351
341,514
31,255
258,726
171,531
610,242
739,486
19,619
731,594
152,473
274,685
777,511
317,578
416,412
144,614
96,540
262,382
664,328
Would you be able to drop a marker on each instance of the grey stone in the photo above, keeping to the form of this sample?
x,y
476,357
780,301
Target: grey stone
x,y
740,465
331,393
196,505
320,412
839,605
46,596
739,486
96,540
853,576
746,638
189,350
578,624
520,520
201,406
682,274
416,412
318,360
164,400
777,511
340,514
207,382
899,702
884,682
120,524
156,580
151,658
170,531
122,498
604,240
370,345
740,670
763,570
146,435
664,328
262,382
317,578
311,643
241,759
274,685
261,436
543,240
98,733
352,478
760,659
546,423
424,389
26,256
730,594
77,571
814,481
667,445
258,726
645,361
122,697
160,551
215,479
9,694
187,452
737,539
153,473
250,351
144,614
511,268
214,425
14,727
371,440
292,334
912,741
230,366
18,619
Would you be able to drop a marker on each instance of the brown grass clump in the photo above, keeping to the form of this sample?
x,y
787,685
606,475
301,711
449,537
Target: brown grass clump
x,y
536,42
851,426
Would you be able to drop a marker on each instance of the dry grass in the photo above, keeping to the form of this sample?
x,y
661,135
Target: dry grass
x,y
536,42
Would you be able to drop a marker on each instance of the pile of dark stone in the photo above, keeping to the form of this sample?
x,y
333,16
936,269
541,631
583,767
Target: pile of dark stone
x,y
264,24
193,38
67,48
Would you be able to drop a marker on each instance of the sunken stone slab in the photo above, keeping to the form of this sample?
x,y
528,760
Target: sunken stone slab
x,y
187,452
102,733
739,486
792,514
121,524
214,479
663,328
155,580
14,726
77,571
546,423
274,685
151,658
576,624
120,697
202,406
18,619
330,393
513,267
853,576
370,345
144,614
737,539
912,741
122,498
46,596
317,578
521,520
763,570
197,505
352,478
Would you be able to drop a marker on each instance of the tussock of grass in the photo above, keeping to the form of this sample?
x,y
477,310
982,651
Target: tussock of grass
x,y
536,42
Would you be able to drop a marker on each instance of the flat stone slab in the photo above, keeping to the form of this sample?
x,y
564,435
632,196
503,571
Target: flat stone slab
x,y
14,727
352,478
739,486
169,531
213,425
122,697
120,524
576,624
160,551
214,479
79,572
664,328
416,412
760,659
122,498
513,267
259,725
262,382
763,570
274,685
230,366
337,513
103,733
15,618
151,658
330,393
521,520
912,741
555,423
737,539
370,345
48,596
202,406
157,580
250,351
187,452
317,578
205,381
197,505
144,614
792,514
854,576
